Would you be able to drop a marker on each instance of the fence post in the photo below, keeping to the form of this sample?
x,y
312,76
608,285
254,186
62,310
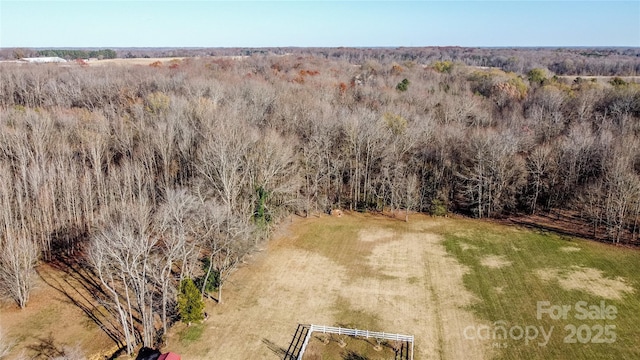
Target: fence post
x,y
412,349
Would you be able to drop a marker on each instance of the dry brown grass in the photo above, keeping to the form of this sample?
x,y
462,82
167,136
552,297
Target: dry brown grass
x,y
569,248
375,234
588,280
135,61
54,315
495,262
465,246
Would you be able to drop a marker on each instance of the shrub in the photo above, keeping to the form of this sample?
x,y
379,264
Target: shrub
x,y
403,85
537,76
443,66
438,208
157,102
395,123
617,81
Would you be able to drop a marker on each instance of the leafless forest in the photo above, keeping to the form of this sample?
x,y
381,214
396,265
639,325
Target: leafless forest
x,y
141,172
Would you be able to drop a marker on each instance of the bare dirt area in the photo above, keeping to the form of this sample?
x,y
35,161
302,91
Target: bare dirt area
x,y
588,280
399,280
55,321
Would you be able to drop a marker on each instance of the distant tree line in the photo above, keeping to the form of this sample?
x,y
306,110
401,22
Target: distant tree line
x,y
560,61
153,175
79,54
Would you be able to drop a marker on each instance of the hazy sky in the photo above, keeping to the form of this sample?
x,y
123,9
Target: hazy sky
x,y
318,23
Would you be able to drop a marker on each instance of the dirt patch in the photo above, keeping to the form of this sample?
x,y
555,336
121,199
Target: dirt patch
x,y
495,262
569,249
375,234
589,280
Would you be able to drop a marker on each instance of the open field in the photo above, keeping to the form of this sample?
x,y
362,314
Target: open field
x,y
134,61
512,269
432,277
358,271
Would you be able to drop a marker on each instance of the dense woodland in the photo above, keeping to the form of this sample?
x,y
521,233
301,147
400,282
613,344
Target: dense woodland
x,y
150,175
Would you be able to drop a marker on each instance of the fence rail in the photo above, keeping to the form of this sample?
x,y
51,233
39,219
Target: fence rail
x,y
354,332
362,333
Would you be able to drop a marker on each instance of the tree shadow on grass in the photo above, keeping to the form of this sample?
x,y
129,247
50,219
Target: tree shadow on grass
x,y
275,348
78,285
46,348
352,355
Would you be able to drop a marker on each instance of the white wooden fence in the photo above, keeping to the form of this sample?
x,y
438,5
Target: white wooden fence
x,y
354,332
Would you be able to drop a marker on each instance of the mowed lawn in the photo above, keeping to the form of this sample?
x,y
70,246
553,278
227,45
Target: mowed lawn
x,y
512,269
453,283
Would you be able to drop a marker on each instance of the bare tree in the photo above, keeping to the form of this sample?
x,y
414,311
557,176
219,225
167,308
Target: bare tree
x,y
121,255
232,244
179,223
273,174
19,252
494,174
222,160
17,265
622,191
539,164
411,194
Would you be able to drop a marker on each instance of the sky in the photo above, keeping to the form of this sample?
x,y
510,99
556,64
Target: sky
x,y
205,23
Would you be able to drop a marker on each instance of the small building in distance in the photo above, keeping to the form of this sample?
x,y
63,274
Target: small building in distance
x,y
42,60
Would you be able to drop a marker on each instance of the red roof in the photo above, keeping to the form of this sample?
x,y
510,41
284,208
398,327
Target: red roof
x,y
169,356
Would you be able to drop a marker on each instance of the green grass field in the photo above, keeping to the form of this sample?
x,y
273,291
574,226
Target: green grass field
x,y
511,292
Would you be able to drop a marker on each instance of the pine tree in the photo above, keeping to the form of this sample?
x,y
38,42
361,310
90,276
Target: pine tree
x,y
190,304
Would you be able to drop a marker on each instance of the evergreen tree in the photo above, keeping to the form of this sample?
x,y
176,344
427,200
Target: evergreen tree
x,y
190,304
